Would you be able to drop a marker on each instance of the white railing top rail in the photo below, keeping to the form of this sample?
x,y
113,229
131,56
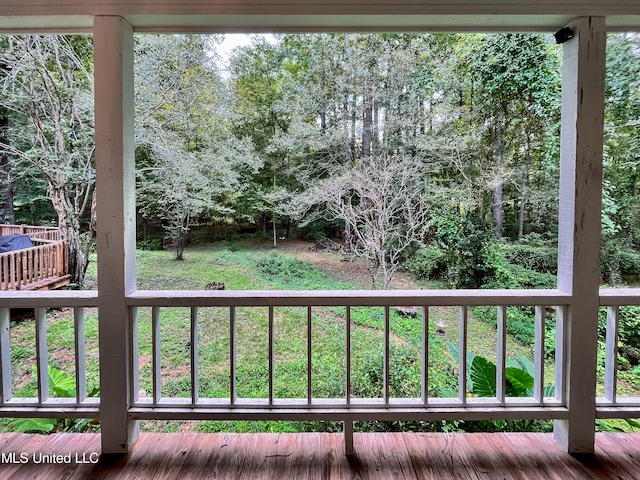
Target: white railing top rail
x,y
611,297
249,298
48,298
168,298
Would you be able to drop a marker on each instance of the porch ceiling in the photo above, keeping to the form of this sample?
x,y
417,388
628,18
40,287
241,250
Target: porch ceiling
x,y
315,15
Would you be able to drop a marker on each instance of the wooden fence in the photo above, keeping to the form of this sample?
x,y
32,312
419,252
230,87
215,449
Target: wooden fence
x,y
41,267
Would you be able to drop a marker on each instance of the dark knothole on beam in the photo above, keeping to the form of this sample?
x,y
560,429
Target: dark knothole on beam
x,y
563,35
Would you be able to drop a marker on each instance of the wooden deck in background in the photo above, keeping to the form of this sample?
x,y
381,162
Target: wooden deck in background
x,y
321,455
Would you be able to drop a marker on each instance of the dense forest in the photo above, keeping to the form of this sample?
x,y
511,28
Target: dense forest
x,y
436,154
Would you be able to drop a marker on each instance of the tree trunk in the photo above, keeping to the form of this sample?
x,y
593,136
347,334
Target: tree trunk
x,y
523,196
523,201
273,215
7,189
497,210
376,122
367,121
353,129
181,237
70,231
92,232
275,232
498,153
347,142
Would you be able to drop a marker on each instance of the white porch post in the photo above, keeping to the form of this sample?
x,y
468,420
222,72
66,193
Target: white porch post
x,y
579,225
115,184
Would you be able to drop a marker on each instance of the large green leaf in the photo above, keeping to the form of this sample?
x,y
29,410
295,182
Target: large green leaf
x,y
519,382
632,423
454,349
483,377
522,363
448,392
34,425
61,384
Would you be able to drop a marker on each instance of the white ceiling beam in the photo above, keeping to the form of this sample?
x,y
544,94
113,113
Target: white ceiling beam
x,y
314,15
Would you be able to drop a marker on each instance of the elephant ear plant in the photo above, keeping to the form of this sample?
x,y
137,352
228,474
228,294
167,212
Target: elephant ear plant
x,y
481,375
481,382
61,385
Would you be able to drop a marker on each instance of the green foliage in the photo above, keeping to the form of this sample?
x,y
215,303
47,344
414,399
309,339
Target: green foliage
x,y
504,274
20,353
511,276
628,332
618,262
289,272
153,244
540,259
617,426
629,326
34,425
404,378
620,215
481,375
61,385
47,92
519,382
464,239
629,263
189,164
520,324
428,262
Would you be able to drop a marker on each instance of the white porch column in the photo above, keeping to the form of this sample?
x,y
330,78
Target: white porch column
x,y
115,184
579,226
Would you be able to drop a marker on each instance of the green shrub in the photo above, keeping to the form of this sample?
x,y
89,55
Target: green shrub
x,y
532,257
428,262
618,262
289,272
503,274
629,263
512,276
149,244
464,238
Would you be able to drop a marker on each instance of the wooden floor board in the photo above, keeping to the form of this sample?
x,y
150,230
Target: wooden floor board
x,y
318,456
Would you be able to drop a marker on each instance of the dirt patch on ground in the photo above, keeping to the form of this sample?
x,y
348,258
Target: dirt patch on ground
x,y
64,359
343,267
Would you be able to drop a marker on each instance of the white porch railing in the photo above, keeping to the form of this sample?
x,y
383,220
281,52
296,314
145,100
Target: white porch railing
x,y
43,405
612,404
346,407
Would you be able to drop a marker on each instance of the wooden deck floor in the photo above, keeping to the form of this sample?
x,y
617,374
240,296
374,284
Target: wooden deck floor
x,y
318,455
